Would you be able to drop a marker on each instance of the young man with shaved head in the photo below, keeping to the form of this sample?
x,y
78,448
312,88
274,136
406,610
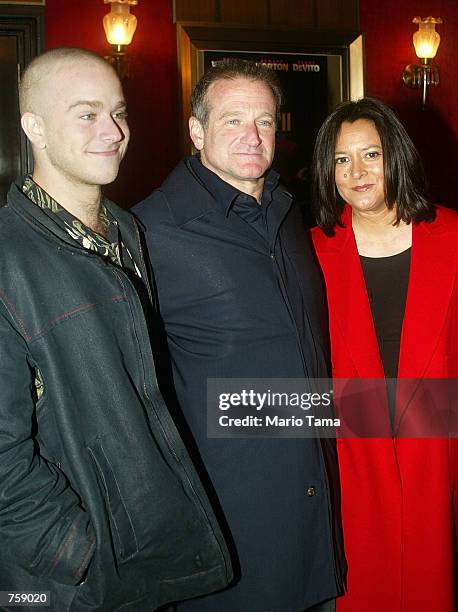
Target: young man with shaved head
x,y
100,506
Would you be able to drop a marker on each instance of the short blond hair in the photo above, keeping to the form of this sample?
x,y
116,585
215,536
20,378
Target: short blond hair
x,y
41,67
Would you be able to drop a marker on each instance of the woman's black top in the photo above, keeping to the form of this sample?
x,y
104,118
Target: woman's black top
x,y
387,279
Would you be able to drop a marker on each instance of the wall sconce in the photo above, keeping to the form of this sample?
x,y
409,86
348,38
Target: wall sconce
x,y
119,25
426,42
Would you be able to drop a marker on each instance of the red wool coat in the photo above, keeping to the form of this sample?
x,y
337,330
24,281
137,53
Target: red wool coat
x,y
397,494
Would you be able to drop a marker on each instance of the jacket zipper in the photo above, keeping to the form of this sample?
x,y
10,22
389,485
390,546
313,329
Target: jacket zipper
x,y
169,435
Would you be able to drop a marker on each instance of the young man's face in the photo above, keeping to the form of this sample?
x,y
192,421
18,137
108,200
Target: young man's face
x,y
238,144
85,127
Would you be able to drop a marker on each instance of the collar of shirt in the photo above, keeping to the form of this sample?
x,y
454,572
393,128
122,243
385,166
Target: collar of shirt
x,y
226,194
109,247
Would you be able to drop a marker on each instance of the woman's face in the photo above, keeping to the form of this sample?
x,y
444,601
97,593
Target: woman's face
x,y
359,166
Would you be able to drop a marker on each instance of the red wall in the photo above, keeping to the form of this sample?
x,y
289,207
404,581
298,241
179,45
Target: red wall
x,y
435,129
152,90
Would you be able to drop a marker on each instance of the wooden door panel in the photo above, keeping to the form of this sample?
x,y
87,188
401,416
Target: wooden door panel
x,y
10,135
293,14
21,39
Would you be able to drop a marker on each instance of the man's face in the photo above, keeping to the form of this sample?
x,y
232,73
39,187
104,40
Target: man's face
x,y
238,144
85,128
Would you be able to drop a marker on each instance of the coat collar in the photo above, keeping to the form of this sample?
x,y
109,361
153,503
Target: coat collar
x,y
189,197
35,215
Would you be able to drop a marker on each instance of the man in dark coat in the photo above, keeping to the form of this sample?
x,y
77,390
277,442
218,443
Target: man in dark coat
x,y
240,296
101,508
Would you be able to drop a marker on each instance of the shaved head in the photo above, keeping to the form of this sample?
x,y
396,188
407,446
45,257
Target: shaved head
x,y
35,89
73,112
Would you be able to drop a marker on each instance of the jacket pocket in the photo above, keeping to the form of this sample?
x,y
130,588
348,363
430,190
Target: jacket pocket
x,y
120,520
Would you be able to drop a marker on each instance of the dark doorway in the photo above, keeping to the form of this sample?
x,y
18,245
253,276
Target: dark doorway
x,y
21,39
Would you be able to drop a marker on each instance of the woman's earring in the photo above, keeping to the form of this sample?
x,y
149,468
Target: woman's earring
x,y
345,176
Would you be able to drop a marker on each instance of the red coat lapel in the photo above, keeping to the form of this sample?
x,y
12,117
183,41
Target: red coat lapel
x,y
432,274
348,299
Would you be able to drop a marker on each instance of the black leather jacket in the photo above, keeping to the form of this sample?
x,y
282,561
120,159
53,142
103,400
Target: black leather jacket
x,y
95,482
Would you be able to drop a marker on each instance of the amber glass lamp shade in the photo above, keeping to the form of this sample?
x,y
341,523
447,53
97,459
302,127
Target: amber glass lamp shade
x,y
119,24
426,40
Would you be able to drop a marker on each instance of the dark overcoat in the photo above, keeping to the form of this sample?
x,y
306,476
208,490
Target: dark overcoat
x,y
234,305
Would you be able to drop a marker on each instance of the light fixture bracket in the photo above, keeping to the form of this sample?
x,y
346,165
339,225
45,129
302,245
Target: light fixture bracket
x,y
426,42
414,75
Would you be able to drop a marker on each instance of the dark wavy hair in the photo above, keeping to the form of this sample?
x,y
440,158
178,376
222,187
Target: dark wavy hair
x,y
405,182
233,68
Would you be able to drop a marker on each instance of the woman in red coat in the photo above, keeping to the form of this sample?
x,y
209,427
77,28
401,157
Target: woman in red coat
x,y
390,262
